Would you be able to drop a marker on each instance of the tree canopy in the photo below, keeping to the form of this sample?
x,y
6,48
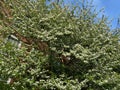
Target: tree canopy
x,y
63,47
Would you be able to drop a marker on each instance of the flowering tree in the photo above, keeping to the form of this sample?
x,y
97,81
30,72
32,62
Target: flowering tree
x,y
66,48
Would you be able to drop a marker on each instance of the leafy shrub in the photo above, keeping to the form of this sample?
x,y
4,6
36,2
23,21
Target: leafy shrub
x,y
82,53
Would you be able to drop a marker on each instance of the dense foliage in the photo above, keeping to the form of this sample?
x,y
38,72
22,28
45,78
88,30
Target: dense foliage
x,y
66,48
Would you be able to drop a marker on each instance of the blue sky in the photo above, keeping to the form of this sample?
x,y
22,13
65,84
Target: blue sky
x,y
111,8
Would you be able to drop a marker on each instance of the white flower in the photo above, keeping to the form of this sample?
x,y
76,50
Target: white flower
x,y
9,81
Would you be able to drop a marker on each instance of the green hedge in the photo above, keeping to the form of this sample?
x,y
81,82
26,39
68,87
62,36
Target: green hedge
x,y
82,54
